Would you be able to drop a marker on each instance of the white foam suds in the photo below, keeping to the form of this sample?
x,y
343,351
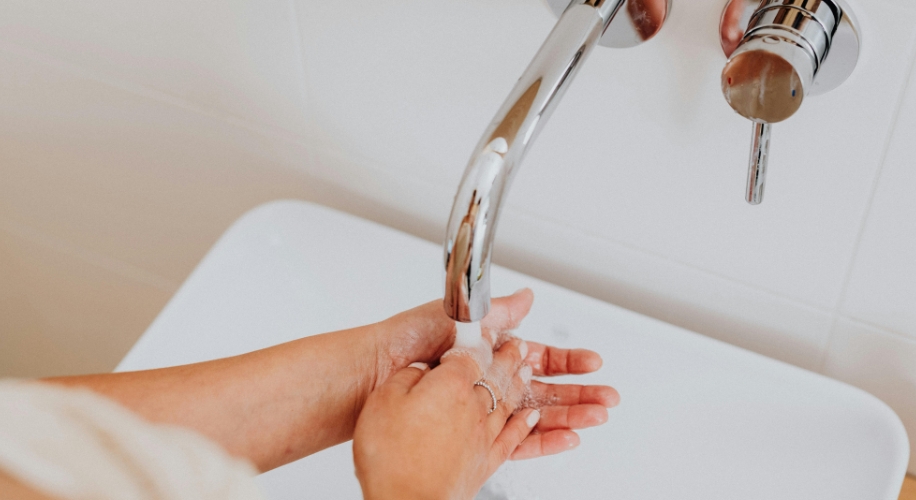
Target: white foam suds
x,y
469,340
469,334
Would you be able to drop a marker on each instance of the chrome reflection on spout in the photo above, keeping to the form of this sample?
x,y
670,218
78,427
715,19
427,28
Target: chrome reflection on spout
x,y
472,224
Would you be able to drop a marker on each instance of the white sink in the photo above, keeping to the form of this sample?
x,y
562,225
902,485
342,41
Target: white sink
x,y
699,419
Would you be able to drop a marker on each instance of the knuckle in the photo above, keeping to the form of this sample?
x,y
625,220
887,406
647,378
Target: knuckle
x,y
563,417
461,390
502,450
513,397
515,351
567,360
523,433
547,361
508,358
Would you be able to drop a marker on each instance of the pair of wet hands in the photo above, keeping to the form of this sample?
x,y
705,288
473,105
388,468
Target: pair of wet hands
x,y
508,376
428,433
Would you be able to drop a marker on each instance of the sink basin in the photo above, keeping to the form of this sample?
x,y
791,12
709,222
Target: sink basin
x,y
699,419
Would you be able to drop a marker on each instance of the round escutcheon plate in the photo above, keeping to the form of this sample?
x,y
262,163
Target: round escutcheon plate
x,y
636,22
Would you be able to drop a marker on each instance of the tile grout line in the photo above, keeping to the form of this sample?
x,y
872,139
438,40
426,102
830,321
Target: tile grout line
x,y
152,94
537,218
863,222
882,329
306,141
123,269
300,55
163,97
272,133
367,164
637,249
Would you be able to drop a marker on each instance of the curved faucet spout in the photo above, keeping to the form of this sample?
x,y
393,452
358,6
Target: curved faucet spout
x,y
475,212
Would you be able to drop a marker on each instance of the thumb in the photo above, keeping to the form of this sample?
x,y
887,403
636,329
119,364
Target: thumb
x,y
405,378
507,313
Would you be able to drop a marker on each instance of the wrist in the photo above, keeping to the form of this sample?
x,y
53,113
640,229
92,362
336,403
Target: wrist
x,y
422,334
406,490
359,371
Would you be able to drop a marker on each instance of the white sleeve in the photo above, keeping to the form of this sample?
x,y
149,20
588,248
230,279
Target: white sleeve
x,y
74,444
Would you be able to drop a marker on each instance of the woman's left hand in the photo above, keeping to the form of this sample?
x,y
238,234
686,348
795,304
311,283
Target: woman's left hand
x,y
279,404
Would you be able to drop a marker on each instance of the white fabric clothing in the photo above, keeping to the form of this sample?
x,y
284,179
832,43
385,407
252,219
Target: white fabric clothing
x,y
74,444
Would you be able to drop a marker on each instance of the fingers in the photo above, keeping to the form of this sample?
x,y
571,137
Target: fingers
x,y
511,375
548,443
502,377
505,373
573,406
568,394
548,361
516,430
506,313
461,366
571,417
406,378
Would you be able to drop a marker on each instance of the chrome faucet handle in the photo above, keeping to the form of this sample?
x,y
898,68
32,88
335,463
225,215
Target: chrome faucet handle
x,y
779,52
757,166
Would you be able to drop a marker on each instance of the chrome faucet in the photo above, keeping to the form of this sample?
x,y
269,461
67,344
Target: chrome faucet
x,y
779,52
475,213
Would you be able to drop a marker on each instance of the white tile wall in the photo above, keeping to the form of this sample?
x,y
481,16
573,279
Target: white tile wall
x,y
882,285
117,172
132,135
238,58
741,314
677,145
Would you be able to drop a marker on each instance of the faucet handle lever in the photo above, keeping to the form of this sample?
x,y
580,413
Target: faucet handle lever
x,y
779,52
757,166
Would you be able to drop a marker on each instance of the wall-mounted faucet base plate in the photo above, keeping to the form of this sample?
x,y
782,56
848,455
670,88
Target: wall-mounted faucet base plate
x,y
637,22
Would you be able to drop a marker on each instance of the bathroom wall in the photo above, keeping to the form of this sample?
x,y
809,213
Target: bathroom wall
x,y
132,135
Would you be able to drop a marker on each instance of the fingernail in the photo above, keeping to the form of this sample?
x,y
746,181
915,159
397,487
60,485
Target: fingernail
x,y
525,374
523,349
520,290
532,418
421,366
573,442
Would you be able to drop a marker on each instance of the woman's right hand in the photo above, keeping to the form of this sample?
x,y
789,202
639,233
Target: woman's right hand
x,y
427,434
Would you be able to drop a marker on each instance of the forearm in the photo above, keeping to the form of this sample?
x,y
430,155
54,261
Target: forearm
x,y
271,406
